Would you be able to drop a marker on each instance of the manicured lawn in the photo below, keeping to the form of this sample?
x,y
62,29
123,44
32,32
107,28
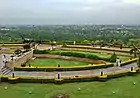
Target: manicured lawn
x,y
55,62
122,88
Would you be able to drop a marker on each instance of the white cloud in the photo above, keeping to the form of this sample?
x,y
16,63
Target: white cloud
x,y
131,1
80,11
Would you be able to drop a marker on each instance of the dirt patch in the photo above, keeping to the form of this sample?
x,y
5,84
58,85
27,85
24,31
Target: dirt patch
x,y
92,61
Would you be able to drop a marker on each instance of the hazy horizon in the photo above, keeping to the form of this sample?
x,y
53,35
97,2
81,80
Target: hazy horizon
x,y
69,12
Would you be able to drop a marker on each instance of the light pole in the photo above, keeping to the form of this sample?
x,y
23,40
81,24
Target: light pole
x,y
136,51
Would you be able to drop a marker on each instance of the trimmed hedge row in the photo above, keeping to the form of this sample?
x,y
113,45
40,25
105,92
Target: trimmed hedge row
x,y
78,68
49,69
129,61
25,80
67,80
97,49
121,74
72,53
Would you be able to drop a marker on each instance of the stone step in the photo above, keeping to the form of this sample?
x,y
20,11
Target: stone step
x,y
9,71
6,70
3,69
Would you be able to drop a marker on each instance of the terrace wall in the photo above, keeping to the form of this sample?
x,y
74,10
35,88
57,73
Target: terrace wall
x,y
6,51
20,60
9,50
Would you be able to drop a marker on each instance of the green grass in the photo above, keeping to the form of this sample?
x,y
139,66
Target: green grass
x,y
123,87
55,62
123,58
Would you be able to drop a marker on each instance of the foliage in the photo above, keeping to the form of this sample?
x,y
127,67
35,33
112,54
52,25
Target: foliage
x,y
41,51
82,33
26,46
72,53
18,51
50,69
113,57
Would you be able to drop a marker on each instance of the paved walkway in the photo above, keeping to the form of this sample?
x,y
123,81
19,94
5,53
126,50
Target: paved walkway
x,y
53,75
65,74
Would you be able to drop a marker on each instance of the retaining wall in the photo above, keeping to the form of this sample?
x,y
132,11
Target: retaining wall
x,y
20,60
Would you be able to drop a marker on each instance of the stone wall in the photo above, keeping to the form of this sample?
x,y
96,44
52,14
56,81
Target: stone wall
x,y
20,60
8,50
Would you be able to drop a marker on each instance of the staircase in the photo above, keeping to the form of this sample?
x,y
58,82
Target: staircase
x,y
6,70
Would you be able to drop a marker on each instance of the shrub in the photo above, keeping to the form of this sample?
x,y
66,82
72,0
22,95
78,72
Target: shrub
x,y
41,51
74,54
92,56
113,57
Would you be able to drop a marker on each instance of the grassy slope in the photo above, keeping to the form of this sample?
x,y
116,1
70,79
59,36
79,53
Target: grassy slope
x,y
55,62
123,87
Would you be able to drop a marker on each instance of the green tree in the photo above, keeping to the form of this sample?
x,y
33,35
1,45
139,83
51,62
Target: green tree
x,y
113,57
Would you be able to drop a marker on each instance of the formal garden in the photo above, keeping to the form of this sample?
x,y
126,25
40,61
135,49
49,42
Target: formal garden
x,y
75,74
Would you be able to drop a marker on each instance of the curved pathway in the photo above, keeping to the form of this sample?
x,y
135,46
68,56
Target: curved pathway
x,y
65,74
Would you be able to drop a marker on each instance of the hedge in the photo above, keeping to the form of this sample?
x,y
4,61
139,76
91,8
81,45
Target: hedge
x,y
129,61
77,68
71,53
121,74
55,80
25,80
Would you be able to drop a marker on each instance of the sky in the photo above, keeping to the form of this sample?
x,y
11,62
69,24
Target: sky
x,y
70,12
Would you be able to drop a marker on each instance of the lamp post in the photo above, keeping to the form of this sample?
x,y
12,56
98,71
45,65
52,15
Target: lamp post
x,y
136,51
58,76
58,65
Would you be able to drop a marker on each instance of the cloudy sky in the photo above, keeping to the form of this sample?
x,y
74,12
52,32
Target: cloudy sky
x,y
69,11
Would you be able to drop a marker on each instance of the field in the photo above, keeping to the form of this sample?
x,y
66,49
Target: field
x,y
54,62
117,88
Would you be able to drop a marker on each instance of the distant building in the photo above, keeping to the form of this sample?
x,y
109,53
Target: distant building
x,y
5,29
